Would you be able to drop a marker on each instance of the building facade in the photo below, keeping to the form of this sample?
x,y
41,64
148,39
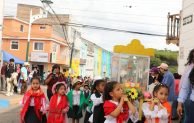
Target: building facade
x,y
83,57
89,59
186,33
102,62
1,22
106,63
75,37
44,50
47,43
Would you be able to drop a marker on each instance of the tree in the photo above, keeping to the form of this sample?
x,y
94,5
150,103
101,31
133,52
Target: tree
x,y
165,56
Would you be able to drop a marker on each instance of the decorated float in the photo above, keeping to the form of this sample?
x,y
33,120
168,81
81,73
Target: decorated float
x,y
130,66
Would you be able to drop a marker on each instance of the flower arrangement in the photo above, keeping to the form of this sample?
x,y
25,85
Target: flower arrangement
x,y
132,90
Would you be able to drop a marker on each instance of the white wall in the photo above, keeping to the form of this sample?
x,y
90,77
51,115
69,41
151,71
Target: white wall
x,y
90,66
186,34
1,20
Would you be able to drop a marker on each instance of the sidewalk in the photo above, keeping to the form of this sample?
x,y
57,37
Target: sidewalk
x,y
6,101
9,102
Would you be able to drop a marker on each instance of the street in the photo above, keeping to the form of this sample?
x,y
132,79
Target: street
x,y
12,116
11,113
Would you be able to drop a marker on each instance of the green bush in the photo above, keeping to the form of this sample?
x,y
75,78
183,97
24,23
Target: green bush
x,y
165,56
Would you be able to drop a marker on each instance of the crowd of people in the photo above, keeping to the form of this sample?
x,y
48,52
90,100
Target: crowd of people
x,y
181,92
16,77
101,100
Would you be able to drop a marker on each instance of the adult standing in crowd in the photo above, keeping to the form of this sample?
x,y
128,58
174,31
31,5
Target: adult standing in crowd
x,y
175,102
18,67
187,89
52,78
24,77
153,79
33,73
3,80
168,79
10,69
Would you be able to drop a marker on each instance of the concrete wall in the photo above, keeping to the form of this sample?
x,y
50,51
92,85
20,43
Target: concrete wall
x,y
186,34
11,31
1,22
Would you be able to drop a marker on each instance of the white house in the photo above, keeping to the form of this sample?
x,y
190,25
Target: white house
x,y
186,42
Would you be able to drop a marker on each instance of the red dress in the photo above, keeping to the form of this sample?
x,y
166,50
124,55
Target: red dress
x,y
39,103
57,112
110,106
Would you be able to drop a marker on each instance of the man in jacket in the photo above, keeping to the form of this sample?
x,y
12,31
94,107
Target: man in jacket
x,y
10,69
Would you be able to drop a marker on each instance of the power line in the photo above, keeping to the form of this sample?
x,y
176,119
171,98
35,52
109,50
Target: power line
x,y
109,12
120,21
112,29
104,28
64,30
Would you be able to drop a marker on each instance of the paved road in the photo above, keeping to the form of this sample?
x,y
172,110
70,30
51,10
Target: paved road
x,y
12,116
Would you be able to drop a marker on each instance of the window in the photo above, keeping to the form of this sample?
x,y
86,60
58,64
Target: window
x,y
14,45
42,27
55,48
38,46
22,28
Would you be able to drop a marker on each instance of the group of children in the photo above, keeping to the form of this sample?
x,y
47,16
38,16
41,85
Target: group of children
x,y
106,103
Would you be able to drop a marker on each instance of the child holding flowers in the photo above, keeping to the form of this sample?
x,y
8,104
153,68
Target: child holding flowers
x,y
158,110
117,107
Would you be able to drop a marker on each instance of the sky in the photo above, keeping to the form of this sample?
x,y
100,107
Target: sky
x,y
147,16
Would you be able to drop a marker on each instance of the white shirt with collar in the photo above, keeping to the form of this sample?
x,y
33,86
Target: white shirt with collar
x,y
76,97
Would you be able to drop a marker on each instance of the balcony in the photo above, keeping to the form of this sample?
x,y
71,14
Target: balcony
x,y
173,29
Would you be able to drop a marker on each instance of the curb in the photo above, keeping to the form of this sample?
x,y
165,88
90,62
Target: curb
x,y
6,102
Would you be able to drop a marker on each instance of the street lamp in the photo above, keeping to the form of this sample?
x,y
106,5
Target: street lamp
x,y
32,19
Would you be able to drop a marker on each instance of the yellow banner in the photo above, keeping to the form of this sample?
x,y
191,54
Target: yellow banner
x,y
75,67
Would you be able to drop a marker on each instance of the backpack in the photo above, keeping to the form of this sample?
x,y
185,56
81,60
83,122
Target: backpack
x,y
191,76
10,71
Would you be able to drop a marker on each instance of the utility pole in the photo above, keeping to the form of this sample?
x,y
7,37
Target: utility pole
x,y
1,26
32,19
72,48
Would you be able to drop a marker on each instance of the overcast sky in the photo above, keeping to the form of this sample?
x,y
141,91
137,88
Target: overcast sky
x,y
148,16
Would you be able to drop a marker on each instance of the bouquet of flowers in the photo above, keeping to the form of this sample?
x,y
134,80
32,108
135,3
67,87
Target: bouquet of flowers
x,y
132,90
135,94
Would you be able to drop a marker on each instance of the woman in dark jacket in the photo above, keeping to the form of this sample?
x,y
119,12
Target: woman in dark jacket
x,y
52,78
